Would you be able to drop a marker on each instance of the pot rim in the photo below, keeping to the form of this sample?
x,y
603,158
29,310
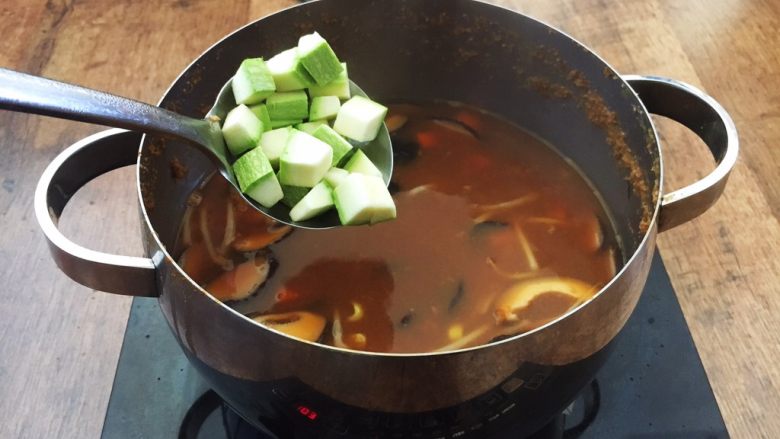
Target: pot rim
x,y
648,234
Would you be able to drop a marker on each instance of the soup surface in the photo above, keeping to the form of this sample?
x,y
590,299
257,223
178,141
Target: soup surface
x,y
496,235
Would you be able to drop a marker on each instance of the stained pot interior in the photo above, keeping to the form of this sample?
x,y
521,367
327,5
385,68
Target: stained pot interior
x,y
457,50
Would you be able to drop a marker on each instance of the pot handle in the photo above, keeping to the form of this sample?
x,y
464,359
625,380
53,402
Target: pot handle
x,y
704,116
66,174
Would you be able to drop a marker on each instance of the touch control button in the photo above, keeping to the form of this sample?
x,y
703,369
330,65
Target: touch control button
x,y
512,384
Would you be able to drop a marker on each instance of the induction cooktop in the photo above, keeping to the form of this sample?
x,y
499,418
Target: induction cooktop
x,y
652,386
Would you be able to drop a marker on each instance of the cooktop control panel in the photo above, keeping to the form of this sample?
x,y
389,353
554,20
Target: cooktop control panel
x,y
302,413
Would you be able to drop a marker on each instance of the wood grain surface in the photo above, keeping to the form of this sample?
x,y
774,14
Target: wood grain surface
x,y
59,342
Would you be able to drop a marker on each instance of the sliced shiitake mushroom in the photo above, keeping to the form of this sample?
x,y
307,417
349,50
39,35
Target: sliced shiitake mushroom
x,y
301,324
260,239
395,122
514,303
242,281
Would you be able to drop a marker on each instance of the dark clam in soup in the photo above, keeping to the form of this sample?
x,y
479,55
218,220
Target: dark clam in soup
x,y
496,235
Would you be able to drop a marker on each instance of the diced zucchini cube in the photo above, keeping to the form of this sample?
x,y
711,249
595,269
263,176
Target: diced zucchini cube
x,y
252,82
266,191
261,111
318,58
293,194
340,146
361,200
288,72
360,119
335,176
353,201
241,130
305,160
316,202
251,167
256,178
273,143
339,87
284,123
384,206
360,163
324,107
310,127
288,105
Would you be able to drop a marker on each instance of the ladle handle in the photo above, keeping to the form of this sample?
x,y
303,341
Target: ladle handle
x,y
704,116
66,174
37,95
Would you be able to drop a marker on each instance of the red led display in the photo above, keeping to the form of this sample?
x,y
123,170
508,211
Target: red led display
x,y
307,412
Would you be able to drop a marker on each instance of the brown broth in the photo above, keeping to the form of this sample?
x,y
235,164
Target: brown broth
x,y
496,234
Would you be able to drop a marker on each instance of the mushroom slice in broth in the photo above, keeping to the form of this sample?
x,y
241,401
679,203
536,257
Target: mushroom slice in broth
x,y
515,303
260,239
243,280
301,324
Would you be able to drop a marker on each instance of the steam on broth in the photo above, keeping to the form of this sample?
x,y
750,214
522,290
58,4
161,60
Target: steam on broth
x,y
496,235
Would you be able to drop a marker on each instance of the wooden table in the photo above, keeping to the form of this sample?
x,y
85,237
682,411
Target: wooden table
x,y
59,342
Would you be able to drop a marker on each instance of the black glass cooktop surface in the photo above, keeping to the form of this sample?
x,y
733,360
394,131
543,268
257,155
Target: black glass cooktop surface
x,y
653,386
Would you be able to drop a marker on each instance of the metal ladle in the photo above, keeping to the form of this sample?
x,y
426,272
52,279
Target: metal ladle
x,y
33,94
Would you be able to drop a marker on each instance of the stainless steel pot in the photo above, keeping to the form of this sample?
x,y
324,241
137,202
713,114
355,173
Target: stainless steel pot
x,y
459,50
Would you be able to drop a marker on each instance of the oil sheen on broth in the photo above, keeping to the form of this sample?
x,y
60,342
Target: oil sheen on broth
x,y
496,235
